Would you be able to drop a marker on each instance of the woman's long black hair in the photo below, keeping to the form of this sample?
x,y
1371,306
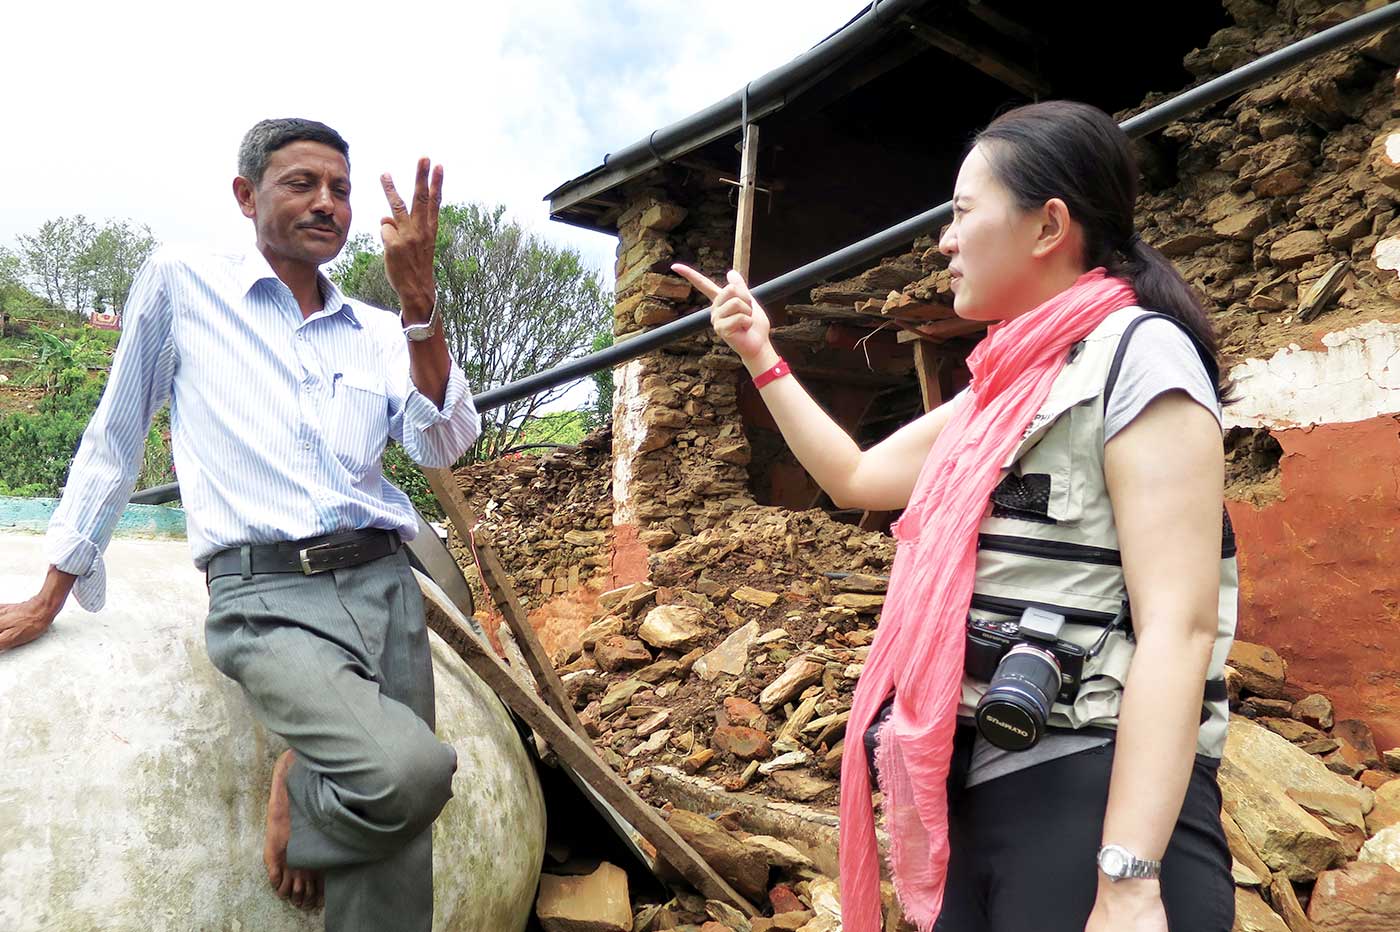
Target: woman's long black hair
x,y
1077,153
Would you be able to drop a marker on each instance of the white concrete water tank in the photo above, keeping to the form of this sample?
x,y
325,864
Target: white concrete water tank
x,y
134,779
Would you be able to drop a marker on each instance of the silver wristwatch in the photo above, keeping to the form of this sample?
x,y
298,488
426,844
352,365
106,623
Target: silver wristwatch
x,y
1118,863
419,332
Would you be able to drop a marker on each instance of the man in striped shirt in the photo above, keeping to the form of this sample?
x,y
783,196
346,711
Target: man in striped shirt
x,y
283,395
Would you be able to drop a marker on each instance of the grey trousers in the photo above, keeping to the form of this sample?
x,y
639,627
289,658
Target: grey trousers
x,y
338,665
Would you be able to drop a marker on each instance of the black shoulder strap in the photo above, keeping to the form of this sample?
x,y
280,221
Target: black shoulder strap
x,y
1207,360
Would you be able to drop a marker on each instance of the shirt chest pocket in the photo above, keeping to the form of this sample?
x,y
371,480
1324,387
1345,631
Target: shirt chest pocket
x,y
1047,480
357,424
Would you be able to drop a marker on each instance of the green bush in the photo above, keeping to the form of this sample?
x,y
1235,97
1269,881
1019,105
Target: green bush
x,y
404,473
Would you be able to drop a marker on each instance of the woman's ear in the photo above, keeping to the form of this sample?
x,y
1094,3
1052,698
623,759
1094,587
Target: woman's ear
x,y
1055,228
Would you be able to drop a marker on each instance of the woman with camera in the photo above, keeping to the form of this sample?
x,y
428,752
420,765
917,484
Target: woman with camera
x,y
1046,686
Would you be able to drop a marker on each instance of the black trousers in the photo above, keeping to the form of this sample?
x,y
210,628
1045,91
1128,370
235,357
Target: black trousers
x,y
1024,847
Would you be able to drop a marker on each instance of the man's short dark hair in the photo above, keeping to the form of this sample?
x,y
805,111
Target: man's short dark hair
x,y
267,136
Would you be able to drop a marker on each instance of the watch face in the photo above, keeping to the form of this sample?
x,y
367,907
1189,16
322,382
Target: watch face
x,y
1113,862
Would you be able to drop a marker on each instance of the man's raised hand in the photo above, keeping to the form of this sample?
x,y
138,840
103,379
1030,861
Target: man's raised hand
x,y
410,238
736,316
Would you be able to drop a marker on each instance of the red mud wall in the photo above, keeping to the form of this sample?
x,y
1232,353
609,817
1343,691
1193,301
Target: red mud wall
x,y
1320,568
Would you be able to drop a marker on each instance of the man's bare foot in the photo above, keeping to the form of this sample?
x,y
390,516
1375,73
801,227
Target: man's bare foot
x,y
302,887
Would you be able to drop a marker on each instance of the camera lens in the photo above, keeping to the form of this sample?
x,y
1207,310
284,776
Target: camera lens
x,y
1013,711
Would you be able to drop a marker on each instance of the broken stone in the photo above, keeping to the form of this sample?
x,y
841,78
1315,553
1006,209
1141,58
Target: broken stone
x,y
658,671
1361,897
1383,848
600,629
798,676
1266,753
613,598
618,695
861,582
596,902
768,637
1314,710
731,656
1285,902
1304,736
616,652
1244,224
1253,915
755,596
1297,249
799,787
783,856
586,538
1357,744
1262,671
672,627
865,604
1391,759
746,869
1337,762
1260,708
785,762
726,916
653,723
1286,837
1243,852
744,743
1342,814
1375,779
1386,811
740,711
698,761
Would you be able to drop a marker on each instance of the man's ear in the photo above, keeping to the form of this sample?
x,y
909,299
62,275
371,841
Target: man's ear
x,y
245,193
1054,228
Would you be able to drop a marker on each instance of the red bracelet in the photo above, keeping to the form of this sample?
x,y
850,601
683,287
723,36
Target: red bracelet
x,y
777,372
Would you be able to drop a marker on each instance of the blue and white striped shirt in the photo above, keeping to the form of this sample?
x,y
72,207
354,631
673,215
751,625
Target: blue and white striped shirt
x,y
278,423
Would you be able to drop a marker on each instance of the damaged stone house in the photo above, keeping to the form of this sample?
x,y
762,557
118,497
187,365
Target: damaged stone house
x,y
1279,205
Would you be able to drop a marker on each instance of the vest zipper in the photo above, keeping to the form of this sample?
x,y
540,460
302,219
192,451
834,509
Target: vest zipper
x,y
1014,608
1049,549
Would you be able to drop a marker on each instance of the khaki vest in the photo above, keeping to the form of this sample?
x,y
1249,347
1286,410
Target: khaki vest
x,y
1050,541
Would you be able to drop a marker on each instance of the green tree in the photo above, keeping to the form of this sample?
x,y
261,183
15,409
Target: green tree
x,y
601,411
511,303
112,260
53,259
78,265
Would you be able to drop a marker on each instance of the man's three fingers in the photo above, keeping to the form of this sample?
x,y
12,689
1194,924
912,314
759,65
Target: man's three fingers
x,y
427,190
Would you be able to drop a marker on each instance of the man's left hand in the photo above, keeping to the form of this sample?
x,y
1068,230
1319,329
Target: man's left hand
x,y
1128,906
410,237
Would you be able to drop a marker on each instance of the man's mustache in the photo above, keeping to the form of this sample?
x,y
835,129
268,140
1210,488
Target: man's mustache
x,y
328,225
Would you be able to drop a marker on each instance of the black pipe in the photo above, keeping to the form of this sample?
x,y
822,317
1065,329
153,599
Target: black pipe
x,y
1198,98
820,270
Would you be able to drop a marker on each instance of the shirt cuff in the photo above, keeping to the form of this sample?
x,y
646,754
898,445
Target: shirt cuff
x,y
419,410
71,552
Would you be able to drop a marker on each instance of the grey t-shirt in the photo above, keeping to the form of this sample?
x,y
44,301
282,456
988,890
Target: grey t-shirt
x,y
1160,358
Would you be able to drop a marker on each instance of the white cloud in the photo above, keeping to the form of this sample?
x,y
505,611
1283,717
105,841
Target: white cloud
x,y
135,110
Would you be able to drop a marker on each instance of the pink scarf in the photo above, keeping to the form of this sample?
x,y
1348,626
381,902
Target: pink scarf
x,y
918,649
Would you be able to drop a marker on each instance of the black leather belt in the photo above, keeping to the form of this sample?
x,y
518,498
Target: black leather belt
x,y
308,557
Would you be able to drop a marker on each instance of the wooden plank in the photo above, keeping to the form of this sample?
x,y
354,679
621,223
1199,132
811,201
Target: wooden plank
x,y
927,363
984,60
743,225
454,503
578,753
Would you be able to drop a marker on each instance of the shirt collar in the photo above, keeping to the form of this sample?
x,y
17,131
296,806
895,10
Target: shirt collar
x,y
255,268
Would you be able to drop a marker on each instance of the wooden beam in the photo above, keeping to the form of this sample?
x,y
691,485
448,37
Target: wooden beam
x,y
743,224
928,363
984,60
497,582
578,753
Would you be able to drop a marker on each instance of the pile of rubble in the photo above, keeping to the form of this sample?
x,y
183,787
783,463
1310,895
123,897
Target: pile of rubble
x,y
549,517
740,657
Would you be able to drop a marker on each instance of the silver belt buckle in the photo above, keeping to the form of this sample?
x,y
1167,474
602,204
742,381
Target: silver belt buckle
x,y
305,563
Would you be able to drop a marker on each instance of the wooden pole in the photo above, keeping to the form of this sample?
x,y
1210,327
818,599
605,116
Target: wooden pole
x,y
748,176
494,578
927,363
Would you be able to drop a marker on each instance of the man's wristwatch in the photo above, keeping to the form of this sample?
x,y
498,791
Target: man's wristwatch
x,y
419,332
1118,863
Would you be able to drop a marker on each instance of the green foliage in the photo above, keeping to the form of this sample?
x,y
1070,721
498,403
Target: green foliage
x,y
601,411
511,305
35,449
77,265
404,473
560,427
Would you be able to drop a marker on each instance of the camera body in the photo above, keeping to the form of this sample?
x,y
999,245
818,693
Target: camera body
x,y
1027,668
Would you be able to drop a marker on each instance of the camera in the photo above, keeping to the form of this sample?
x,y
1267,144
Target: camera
x,y
1028,668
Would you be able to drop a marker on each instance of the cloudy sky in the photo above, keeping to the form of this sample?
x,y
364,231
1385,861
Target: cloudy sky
x,y
134,110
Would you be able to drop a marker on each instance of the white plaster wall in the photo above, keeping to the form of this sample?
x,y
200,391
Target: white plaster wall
x,y
628,408
1355,378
